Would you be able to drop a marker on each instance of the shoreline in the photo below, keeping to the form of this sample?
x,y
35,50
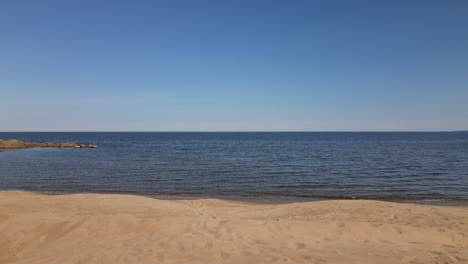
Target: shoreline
x,y
18,144
256,199
105,228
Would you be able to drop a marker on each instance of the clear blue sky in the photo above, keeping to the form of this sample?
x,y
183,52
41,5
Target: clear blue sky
x,y
239,65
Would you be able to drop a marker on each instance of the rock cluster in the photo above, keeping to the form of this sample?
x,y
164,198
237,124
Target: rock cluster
x,y
13,144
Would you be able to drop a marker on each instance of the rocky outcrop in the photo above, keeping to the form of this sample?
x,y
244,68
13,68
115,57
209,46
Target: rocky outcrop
x,y
15,144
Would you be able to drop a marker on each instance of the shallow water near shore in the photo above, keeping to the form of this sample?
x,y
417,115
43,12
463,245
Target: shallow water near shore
x,y
426,167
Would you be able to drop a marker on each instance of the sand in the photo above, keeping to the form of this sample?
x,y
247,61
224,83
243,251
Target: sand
x,y
105,228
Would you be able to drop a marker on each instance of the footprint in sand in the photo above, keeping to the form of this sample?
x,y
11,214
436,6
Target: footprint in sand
x,y
460,259
300,246
224,255
209,245
160,257
408,259
449,246
399,230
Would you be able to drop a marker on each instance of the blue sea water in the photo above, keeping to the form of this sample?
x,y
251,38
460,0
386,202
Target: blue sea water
x,y
257,166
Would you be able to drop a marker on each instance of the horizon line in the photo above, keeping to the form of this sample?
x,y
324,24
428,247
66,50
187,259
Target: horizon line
x,y
246,131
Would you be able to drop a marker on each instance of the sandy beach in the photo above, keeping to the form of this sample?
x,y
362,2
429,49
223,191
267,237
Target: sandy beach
x,y
104,228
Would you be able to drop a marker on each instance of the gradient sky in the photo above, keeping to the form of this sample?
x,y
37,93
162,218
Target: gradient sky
x,y
239,65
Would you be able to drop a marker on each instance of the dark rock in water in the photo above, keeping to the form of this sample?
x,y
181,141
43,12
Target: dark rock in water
x,y
14,144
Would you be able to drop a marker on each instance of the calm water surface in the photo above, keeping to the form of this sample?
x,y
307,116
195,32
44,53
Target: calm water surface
x,y
246,166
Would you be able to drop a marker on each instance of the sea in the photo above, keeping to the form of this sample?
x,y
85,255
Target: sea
x,y
415,167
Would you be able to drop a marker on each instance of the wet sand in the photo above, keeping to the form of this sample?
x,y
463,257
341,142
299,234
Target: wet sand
x,y
106,228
